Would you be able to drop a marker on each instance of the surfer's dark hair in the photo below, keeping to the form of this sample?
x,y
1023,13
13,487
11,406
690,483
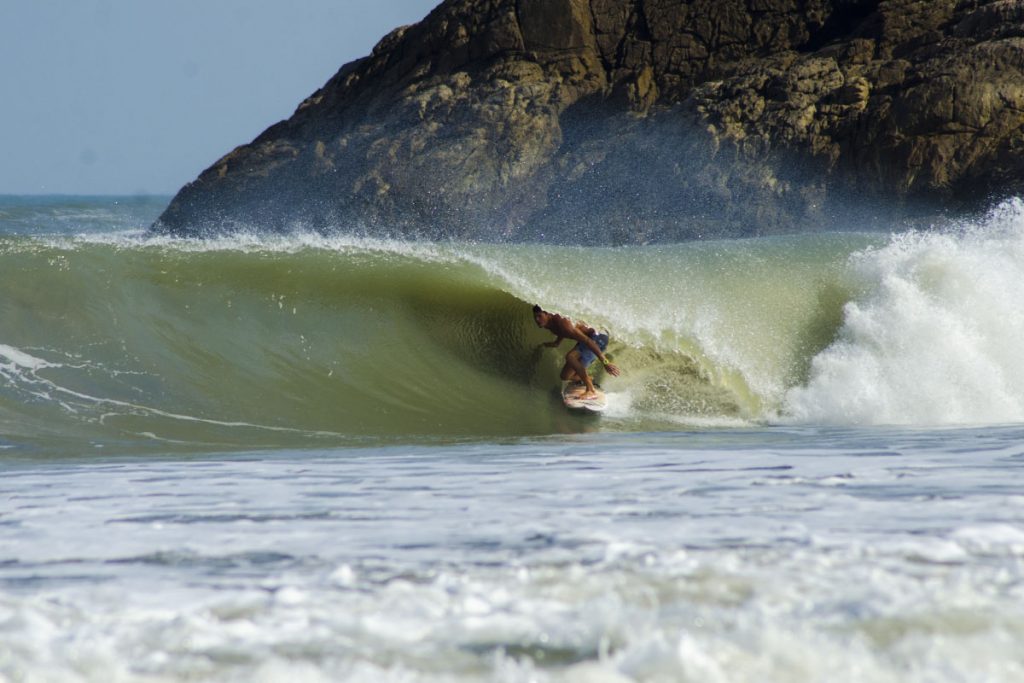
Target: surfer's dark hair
x,y
537,309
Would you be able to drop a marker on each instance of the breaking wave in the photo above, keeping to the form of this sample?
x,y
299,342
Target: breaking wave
x,y
302,340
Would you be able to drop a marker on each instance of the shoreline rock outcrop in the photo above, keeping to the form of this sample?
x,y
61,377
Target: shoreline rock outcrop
x,y
628,121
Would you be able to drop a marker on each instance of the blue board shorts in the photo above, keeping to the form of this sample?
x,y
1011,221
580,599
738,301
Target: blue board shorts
x,y
587,355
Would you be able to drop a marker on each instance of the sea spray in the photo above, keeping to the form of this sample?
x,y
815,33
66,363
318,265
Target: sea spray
x,y
933,335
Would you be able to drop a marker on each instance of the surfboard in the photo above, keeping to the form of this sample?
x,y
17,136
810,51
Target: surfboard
x,y
570,397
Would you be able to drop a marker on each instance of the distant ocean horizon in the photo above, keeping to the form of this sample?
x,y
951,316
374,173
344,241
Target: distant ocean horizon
x,y
319,456
45,198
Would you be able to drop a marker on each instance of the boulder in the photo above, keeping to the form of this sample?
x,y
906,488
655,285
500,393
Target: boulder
x,y
632,121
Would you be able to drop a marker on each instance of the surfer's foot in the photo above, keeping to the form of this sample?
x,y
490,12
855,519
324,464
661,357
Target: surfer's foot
x,y
578,390
588,395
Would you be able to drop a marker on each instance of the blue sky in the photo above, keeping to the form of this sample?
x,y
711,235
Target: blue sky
x,y
139,96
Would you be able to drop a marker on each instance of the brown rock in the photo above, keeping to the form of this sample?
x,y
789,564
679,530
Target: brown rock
x,y
610,121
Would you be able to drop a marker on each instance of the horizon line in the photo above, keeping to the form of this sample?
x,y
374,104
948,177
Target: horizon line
x,y
129,195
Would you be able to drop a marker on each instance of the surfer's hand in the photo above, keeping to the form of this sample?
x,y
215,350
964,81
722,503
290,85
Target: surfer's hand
x,y
612,369
552,344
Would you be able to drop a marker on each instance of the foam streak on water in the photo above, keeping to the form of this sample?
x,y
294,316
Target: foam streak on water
x,y
796,555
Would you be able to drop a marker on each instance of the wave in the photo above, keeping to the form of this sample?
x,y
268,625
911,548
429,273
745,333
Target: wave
x,y
120,339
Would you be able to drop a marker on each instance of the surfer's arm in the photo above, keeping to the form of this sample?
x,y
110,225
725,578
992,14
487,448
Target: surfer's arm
x,y
554,344
612,369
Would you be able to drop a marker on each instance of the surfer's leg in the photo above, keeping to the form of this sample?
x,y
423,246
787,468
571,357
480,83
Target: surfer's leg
x,y
569,375
573,366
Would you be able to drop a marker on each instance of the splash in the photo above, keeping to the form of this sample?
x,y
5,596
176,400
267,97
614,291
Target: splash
x,y
933,336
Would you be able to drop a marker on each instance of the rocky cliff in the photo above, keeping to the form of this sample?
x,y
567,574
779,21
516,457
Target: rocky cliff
x,y
612,121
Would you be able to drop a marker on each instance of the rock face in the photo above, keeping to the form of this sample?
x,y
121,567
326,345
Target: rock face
x,y
622,121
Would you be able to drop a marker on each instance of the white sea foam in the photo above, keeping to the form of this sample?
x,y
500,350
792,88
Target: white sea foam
x,y
933,337
17,358
730,617
606,558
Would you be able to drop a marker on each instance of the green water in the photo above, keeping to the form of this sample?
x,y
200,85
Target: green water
x,y
128,342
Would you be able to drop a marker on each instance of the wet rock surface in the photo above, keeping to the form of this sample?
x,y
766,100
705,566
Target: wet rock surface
x,y
630,121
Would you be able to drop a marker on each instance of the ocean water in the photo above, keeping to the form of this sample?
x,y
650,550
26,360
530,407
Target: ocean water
x,y
331,458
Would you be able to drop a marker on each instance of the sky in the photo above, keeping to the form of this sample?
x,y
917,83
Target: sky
x,y
139,96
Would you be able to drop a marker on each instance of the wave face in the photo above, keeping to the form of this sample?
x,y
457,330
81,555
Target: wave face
x,y
120,339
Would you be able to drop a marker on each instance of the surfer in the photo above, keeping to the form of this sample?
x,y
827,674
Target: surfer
x,y
589,345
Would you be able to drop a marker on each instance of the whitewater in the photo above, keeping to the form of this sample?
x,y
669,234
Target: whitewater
x,y
320,457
